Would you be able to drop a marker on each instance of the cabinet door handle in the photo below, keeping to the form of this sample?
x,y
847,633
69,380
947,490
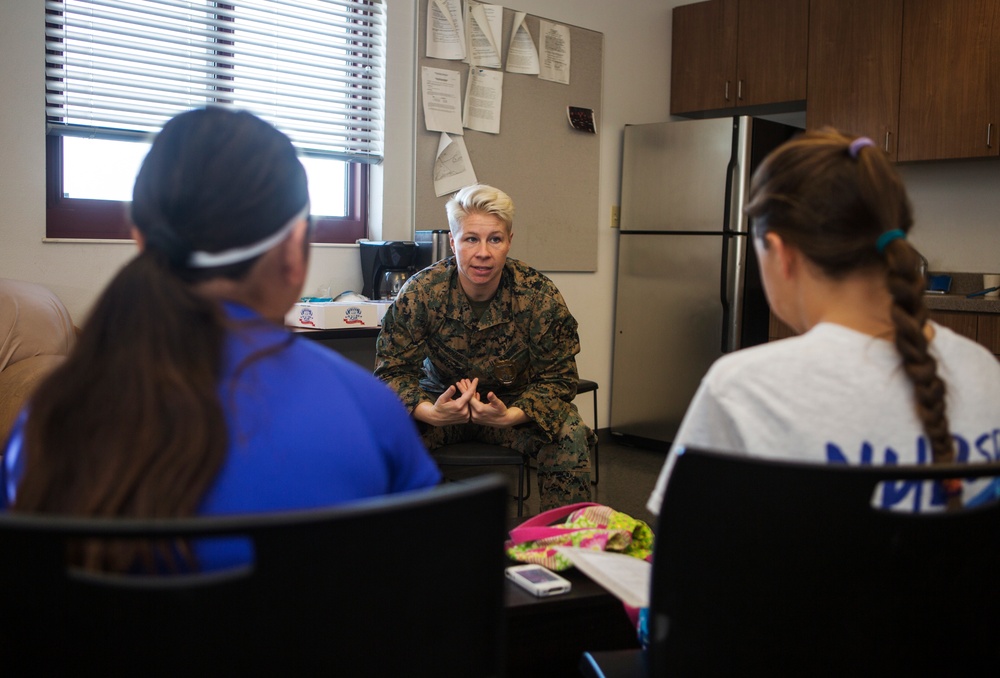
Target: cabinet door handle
x,y
989,135
739,89
887,133
727,90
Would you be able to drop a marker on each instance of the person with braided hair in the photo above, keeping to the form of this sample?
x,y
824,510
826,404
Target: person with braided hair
x,y
185,395
869,379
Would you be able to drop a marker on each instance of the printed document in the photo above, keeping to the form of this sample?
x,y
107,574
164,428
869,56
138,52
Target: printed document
x,y
445,32
555,50
442,92
483,96
522,57
484,25
452,167
626,577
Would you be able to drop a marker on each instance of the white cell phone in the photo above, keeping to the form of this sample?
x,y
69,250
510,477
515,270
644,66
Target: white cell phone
x,y
538,580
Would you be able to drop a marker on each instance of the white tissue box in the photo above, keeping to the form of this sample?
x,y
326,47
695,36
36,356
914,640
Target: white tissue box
x,y
326,315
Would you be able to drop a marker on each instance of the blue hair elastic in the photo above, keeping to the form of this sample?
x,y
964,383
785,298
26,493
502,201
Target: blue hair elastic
x,y
857,145
886,238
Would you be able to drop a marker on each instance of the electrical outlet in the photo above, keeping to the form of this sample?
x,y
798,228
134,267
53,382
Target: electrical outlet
x,y
615,215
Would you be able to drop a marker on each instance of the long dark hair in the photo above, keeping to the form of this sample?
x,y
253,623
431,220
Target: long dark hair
x,y
839,200
132,424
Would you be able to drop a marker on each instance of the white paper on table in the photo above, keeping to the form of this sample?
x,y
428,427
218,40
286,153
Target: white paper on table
x,y
452,166
522,57
484,26
445,32
483,97
442,94
555,48
626,577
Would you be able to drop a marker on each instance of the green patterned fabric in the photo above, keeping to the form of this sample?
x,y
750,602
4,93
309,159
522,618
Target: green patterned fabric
x,y
596,527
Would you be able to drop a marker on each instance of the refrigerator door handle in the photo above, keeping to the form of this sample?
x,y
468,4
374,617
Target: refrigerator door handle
x,y
739,180
732,331
732,277
727,311
732,173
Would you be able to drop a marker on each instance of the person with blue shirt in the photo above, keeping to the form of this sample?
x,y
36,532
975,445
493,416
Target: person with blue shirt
x,y
184,394
870,379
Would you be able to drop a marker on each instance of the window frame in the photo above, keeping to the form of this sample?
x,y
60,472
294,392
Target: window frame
x,y
95,219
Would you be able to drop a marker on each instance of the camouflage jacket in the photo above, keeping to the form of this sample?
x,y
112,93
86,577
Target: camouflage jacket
x,y
430,339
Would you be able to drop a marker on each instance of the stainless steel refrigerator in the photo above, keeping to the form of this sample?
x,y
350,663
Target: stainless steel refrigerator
x,y
688,284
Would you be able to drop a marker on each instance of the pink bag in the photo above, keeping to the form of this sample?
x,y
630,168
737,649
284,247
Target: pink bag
x,y
587,525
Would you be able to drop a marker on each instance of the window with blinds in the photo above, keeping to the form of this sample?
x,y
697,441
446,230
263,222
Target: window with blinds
x,y
116,70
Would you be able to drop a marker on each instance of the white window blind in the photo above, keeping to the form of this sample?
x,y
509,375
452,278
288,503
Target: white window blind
x,y
313,68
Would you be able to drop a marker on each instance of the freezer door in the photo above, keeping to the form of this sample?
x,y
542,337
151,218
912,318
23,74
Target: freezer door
x,y
674,175
668,329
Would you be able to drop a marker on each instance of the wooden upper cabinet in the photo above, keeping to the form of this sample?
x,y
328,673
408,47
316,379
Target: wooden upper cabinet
x,y
773,51
854,60
950,79
703,56
732,53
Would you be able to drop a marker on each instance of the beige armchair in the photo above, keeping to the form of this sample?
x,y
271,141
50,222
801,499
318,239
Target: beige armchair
x,y
36,334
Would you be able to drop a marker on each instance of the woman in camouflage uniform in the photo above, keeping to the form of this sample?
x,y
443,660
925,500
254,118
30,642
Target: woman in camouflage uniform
x,y
482,347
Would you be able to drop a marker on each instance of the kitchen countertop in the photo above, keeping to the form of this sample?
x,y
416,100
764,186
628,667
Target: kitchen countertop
x,y
955,300
959,302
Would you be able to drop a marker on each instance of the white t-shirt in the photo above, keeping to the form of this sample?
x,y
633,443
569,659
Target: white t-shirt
x,y
834,395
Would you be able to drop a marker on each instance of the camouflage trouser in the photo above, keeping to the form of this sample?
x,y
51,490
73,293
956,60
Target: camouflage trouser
x,y
563,464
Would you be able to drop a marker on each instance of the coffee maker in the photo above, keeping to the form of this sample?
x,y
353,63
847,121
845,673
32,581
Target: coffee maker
x,y
385,266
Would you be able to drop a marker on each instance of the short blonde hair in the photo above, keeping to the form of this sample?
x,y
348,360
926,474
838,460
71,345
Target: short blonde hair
x,y
480,199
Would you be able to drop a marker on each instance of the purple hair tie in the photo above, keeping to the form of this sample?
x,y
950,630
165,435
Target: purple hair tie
x,y
857,145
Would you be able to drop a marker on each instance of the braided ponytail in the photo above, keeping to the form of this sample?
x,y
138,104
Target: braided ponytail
x,y
841,203
909,313
909,318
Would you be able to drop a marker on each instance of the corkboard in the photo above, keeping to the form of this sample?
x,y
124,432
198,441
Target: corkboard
x,y
549,169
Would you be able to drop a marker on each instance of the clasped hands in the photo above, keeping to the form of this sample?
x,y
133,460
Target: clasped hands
x,y
461,404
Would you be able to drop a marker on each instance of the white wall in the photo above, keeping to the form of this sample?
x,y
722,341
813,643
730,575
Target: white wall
x,y
74,272
956,208
956,203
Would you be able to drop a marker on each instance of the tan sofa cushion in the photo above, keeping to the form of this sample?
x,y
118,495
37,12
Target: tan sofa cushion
x,y
32,322
17,382
36,334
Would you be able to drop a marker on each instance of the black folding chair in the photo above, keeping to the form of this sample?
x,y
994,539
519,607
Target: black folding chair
x,y
782,568
409,584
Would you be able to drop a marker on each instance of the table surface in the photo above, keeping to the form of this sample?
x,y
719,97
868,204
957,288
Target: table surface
x,y
584,591
336,333
547,636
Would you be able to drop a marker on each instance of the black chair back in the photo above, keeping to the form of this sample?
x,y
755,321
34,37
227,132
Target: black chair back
x,y
780,568
409,584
